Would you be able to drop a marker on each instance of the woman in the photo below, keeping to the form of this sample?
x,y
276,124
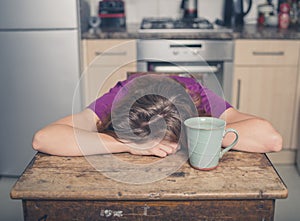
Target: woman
x,y
144,116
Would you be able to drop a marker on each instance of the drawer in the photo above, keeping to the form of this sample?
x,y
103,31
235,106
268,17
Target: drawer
x,y
110,52
266,52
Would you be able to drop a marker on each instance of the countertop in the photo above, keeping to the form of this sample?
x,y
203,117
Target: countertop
x,y
245,32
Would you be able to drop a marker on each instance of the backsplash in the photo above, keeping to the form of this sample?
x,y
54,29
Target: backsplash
x,y
136,10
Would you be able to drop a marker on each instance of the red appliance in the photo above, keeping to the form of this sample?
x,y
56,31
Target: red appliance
x,y
112,15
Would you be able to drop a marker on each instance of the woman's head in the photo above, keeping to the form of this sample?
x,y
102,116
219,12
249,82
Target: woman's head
x,y
151,108
154,117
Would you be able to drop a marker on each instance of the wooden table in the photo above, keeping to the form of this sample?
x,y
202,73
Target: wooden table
x,y
243,187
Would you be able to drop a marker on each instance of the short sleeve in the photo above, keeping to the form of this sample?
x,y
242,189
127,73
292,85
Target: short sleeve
x,y
211,103
103,105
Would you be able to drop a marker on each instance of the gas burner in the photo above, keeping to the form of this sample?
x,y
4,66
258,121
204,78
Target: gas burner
x,y
169,23
165,25
157,23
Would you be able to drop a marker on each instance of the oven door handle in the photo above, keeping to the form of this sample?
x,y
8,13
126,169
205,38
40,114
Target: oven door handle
x,y
193,69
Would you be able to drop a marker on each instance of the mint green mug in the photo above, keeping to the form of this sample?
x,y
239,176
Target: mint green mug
x,y
204,139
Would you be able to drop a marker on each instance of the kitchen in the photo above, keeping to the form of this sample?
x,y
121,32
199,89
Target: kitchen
x,y
240,43
137,10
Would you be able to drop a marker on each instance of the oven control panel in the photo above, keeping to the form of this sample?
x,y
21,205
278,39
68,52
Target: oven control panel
x,y
185,50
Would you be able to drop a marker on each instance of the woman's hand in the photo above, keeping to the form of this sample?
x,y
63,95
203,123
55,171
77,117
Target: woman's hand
x,y
255,134
161,149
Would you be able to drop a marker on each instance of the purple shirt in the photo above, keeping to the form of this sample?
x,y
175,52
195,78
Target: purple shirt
x,y
211,103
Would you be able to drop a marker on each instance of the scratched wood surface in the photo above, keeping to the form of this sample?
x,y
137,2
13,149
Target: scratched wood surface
x,y
238,210
238,176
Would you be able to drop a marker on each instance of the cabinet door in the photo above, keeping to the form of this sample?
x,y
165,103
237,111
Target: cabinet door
x,y
98,80
106,62
269,93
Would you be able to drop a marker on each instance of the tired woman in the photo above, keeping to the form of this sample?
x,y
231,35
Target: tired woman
x,y
144,115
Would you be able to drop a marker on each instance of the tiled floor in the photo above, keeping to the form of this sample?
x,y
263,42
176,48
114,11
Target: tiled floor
x,y
285,210
289,209
10,210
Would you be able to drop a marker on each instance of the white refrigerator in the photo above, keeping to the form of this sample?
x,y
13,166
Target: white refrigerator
x,y
39,73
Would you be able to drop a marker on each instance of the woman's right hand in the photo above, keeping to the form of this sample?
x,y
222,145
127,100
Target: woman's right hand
x,y
161,149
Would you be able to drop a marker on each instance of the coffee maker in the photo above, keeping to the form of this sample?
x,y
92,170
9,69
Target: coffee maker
x,y
190,9
234,12
112,15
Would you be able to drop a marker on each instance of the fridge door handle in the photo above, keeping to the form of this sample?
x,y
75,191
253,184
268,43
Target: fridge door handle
x,y
238,96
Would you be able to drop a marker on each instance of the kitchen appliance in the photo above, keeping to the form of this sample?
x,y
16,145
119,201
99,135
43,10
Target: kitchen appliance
x,y
264,12
234,12
157,25
210,61
190,8
112,15
40,70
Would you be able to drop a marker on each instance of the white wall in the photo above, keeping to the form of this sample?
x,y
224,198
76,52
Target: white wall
x,y
136,10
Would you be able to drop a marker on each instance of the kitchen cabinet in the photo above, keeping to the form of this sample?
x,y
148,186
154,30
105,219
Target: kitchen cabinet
x,y
105,63
265,83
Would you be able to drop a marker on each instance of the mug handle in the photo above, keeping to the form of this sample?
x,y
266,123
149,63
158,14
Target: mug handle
x,y
230,130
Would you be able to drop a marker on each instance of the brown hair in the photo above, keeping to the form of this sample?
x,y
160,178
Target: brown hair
x,y
154,107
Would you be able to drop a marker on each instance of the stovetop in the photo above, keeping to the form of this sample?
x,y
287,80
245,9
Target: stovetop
x,y
152,25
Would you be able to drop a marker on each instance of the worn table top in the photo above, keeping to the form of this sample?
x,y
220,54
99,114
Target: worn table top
x,y
102,177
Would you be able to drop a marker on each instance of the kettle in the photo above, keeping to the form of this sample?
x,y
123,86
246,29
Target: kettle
x,y
234,12
190,9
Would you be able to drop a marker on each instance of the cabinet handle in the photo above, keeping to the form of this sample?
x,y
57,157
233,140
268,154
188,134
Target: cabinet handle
x,y
120,53
239,82
268,53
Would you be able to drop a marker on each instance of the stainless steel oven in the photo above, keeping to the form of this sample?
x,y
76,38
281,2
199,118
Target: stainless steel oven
x,y
209,61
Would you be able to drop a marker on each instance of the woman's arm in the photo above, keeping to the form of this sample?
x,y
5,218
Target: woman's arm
x,y
76,135
255,134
